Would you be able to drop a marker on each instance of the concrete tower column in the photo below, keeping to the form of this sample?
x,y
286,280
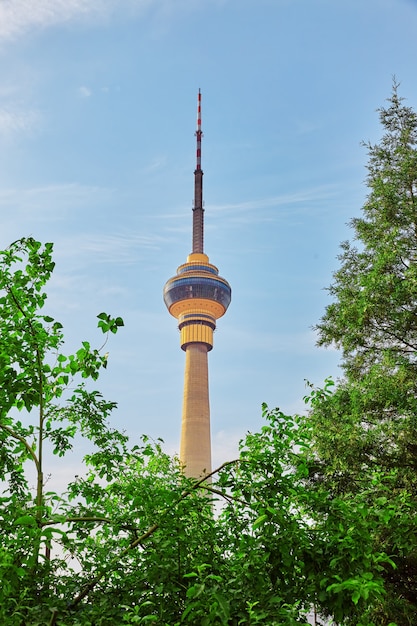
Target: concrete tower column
x,y
195,446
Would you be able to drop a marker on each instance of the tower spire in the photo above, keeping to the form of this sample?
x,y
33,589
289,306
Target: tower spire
x,y
198,210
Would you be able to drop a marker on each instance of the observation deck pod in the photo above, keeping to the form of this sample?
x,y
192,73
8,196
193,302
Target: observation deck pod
x,y
197,296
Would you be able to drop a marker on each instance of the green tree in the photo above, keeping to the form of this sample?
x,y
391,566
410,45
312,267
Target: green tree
x,y
44,404
373,318
365,433
131,540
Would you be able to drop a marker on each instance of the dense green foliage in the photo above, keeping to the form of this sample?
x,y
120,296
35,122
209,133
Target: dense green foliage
x,y
131,540
317,510
373,318
365,437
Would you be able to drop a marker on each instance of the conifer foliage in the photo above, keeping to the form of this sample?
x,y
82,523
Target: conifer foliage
x,y
373,318
365,434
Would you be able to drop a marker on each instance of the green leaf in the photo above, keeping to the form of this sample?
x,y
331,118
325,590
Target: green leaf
x,y
26,520
259,521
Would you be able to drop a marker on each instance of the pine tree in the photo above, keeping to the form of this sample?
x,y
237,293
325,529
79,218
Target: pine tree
x,y
373,318
366,431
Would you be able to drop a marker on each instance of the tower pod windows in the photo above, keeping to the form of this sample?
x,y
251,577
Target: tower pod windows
x,y
178,289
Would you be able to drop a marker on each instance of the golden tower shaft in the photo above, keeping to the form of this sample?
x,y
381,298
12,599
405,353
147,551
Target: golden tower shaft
x,y
195,447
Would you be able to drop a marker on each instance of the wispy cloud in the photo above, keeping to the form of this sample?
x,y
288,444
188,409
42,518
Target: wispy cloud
x,y
84,92
20,16
155,164
300,197
14,121
262,209
46,211
51,201
117,248
56,210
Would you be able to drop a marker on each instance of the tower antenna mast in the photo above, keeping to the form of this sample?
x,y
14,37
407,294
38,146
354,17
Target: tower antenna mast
x,y
198,209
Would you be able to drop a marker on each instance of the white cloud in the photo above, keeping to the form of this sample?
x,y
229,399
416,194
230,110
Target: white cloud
x,y
84,92
53,201
51,211
46,211
300,197
305,199
17,121
155,164
117,248
20,16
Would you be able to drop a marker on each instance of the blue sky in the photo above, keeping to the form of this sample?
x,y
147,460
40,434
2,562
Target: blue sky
x,y
97,153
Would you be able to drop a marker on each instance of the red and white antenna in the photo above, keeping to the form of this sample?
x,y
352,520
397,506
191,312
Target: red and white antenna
x,y
198,210
199,132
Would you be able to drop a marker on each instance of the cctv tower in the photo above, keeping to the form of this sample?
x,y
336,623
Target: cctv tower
x,y
197,296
